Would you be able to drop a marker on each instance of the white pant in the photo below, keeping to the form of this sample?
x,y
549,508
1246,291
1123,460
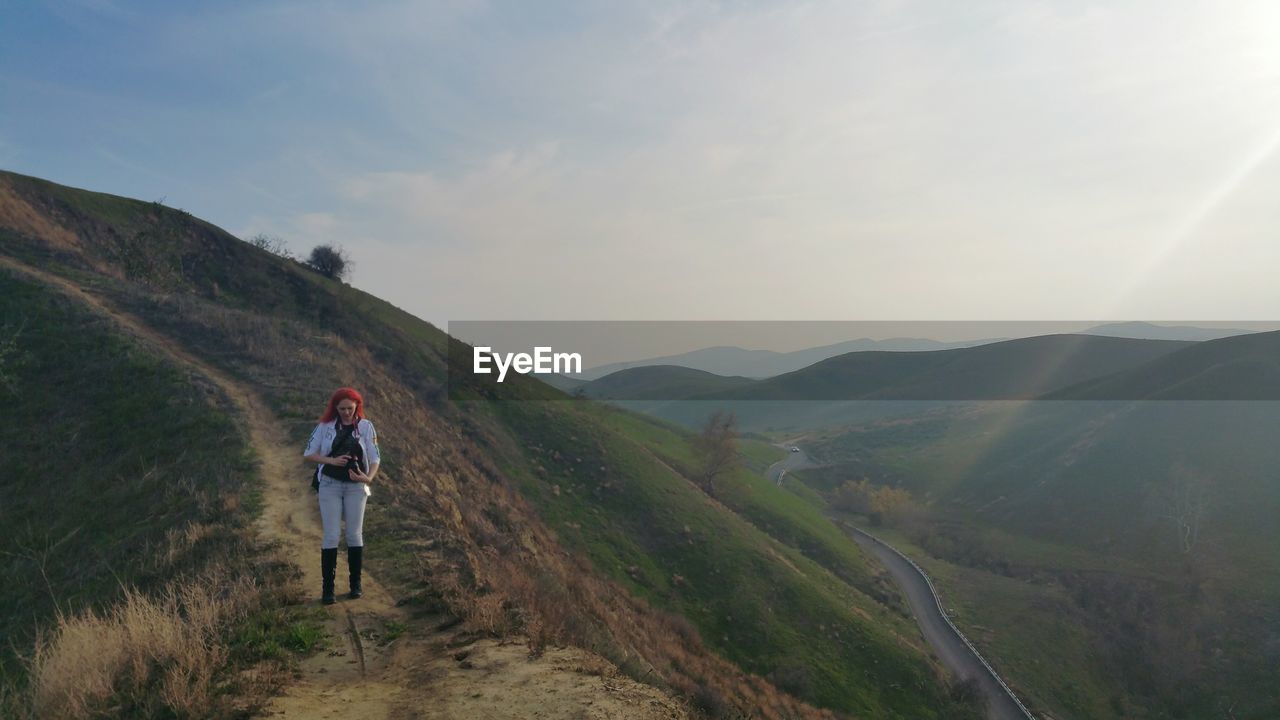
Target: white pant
x,y
338,501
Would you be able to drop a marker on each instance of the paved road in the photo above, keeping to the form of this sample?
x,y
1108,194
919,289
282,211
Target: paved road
x,y
793,461
955,655
959,659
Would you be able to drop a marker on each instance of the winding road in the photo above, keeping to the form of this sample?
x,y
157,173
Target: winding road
x,y
955,652
793,461
951,647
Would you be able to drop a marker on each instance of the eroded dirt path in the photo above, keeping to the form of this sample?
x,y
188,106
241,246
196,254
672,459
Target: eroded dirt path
x,y
433,669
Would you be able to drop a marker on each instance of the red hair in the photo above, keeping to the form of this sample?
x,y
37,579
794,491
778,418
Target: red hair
x,y
346,393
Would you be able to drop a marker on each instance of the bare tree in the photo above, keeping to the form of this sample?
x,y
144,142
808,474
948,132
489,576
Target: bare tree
x,y
330,262
272,244
717,448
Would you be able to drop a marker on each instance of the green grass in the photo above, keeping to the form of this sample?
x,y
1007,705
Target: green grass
x,y
779,513
393,630
1013,622
1047,521
794,483
279,633
116,449
597,477
758,455
128,472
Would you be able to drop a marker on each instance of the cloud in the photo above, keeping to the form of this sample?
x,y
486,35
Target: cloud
x,y
894,158
815,159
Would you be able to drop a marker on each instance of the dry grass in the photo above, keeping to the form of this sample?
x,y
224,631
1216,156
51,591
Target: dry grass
x,y
145,653
528,584
17,213
180,540
502,569
488,614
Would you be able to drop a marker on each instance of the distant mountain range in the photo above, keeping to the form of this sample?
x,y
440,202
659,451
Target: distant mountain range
x,y
1149,331
1244,367
662,381
731,361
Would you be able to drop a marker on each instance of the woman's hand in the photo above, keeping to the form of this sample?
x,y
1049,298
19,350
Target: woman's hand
x,y
360,477
338,461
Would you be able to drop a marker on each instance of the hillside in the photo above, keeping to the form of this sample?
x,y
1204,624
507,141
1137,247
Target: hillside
x,y
105,503
1014,369
659,382
560,523
731,361
1246,367
1136,539
1010,370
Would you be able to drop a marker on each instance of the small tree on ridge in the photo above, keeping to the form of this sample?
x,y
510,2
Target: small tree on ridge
x,y
330,262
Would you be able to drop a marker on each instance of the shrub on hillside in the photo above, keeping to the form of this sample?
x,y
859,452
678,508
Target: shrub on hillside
x,y
331,262
881,503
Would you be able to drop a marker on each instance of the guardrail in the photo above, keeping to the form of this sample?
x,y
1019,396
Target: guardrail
x,y
945,618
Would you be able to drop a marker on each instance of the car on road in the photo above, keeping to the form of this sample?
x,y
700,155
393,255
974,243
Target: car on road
x,y
795,449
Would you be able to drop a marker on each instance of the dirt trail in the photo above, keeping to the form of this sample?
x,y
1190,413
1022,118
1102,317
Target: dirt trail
x,y
430,670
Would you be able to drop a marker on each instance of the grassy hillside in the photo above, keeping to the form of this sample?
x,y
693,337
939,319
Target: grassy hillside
x,y
659,381
772,609
1024,368
728,361
126,474
1151,524
566,521
780,418
1234,368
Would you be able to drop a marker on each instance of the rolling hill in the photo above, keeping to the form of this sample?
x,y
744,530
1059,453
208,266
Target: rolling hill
x,y
736,361
1011,370
658,382
1136,539
1245,367
557,523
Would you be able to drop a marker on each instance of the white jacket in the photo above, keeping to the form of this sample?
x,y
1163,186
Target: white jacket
x,y
323,436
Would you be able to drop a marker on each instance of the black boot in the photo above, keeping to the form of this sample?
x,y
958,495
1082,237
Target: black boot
x,y
355,556
328,569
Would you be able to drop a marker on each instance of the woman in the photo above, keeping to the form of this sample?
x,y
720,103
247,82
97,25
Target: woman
x,y
345,446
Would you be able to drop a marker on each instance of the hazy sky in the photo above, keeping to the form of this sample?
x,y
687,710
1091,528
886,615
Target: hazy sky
x,y
679,160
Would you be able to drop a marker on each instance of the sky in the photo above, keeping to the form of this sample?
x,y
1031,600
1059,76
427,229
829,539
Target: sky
x,y
655,160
